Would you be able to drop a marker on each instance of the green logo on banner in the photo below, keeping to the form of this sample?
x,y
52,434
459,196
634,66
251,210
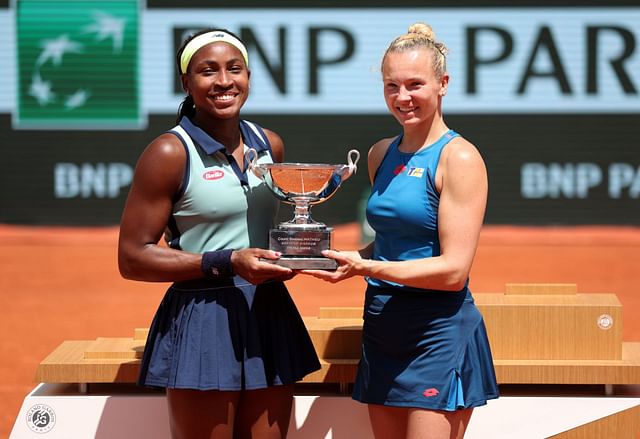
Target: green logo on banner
x,y
78,64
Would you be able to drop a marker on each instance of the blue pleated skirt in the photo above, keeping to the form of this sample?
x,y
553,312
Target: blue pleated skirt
x,y
226,335
424,349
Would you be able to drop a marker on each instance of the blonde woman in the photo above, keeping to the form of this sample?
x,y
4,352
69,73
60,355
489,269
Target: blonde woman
x,y
426,361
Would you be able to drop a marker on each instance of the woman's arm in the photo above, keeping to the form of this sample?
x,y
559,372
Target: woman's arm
x,y
157,178
462,180
156,181
463,198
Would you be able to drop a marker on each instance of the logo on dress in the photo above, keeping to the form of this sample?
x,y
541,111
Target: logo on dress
x,y
213,175
399,169
415,172
41,418
431,392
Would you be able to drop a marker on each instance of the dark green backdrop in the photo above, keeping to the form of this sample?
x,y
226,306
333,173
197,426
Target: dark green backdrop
x,y
505,141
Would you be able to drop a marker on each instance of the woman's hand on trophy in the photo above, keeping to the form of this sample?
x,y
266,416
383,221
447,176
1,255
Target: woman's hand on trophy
x,y
248,264
349,264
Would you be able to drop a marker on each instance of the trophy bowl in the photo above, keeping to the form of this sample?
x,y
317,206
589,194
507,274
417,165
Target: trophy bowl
x,y
302,239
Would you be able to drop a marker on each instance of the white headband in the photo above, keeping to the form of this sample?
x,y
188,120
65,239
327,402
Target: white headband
x,y
210,37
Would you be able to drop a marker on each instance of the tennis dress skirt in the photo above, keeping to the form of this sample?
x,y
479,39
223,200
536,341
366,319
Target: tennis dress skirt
x,y
424,350
226,335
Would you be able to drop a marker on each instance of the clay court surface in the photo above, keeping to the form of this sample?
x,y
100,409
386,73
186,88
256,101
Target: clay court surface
x,y
63,284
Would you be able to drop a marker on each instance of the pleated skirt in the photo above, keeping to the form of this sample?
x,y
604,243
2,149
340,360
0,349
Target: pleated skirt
x,y
226,335
424,350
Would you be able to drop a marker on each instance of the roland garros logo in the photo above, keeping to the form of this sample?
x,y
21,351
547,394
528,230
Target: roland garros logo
x,y
41,418
213,175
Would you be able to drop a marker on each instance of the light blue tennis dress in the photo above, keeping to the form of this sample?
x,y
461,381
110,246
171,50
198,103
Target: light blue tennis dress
x,y
224,333
421,348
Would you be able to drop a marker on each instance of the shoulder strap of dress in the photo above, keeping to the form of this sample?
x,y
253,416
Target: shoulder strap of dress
x,y
384,156
259,132
254,128
440,145
186,141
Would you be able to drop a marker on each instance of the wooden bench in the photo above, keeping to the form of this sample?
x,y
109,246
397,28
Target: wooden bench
x,y
539,334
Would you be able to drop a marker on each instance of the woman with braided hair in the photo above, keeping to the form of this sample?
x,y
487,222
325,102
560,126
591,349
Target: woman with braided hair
x,y
227,342
426,361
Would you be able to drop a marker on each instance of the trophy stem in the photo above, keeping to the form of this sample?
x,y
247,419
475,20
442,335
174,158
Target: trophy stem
x,y
302,217
301,213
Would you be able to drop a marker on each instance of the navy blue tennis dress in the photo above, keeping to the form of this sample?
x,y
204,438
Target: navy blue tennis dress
x,y
224,333
421,348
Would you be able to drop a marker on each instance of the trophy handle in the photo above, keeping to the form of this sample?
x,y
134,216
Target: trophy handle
x,y
252,157
351,162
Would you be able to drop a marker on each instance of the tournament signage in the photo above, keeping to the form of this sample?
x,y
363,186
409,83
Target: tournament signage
x,y
549,94
77,64
81,68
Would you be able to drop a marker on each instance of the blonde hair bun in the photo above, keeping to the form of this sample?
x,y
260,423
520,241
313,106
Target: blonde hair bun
x,y
421,35
422,29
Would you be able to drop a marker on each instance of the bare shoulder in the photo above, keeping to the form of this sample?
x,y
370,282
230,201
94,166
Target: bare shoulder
x,y
376,154
162,161
460,151
461,168
277,145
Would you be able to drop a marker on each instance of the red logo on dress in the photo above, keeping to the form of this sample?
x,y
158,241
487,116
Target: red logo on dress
x,y
213,175
430,392
400,168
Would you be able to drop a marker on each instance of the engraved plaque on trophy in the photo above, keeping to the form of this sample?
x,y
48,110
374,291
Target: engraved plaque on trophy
x,y
302,239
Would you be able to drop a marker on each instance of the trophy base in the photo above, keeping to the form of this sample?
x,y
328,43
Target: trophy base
x,y
302,249
304,263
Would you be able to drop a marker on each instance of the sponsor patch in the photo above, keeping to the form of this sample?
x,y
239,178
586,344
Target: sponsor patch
x,y
431,392
399,169
213,175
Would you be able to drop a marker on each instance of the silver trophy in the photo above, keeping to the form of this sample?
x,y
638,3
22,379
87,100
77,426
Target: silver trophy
x,y
302,240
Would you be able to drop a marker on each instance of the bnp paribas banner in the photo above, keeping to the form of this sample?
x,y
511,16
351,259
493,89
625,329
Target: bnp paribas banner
x,y
550,95
87,63
78,64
